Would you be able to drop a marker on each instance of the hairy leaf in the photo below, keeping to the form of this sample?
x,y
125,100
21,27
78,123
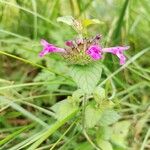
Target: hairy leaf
x,y
92,116
109,117
63,108
87,76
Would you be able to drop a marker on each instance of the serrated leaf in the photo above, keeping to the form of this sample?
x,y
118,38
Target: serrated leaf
x,y
109,117
87,76
92,116
69,20
87,22
63,108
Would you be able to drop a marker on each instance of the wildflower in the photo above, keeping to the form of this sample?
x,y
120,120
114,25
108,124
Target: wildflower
x,y
83,51
95,51
49,48
118,51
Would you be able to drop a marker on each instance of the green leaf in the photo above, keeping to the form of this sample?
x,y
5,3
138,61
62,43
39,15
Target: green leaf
x,y
83,145
76,95
92,116
104,145
63,108
88,22
109,117
119,132
87,76
99,94
69,20
104,133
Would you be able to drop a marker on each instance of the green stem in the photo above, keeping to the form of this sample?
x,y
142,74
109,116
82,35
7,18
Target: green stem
x,y
83,110
90,141
84,103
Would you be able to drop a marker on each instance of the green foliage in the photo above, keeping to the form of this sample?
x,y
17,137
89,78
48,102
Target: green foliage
x,y
104,133
119,133
69,20
87,76
99,94
15,134
88,22
109,117
30,87
63,108
92,116
105,145
84,145
115,137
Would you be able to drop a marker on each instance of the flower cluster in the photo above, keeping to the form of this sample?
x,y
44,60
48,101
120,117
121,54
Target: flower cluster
x,y
83,50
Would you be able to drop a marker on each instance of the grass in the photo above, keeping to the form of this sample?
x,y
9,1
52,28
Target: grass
x,y
30,86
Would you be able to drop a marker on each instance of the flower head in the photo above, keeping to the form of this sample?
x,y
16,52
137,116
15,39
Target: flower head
x,y
83,51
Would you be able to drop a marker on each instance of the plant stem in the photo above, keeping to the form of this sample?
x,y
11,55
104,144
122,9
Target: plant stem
x,y
83,110
84,103
90,141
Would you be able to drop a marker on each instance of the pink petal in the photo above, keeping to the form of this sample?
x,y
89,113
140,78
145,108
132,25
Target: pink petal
x,y
96,56
94,51
115,50
118,51
122,58
44,42
49,48
43,52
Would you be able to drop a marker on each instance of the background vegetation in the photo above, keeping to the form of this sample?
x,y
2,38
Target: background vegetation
x,y
29,85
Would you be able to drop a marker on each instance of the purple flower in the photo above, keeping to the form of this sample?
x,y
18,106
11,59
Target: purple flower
x,y
118,51
95,52
83,50
49,48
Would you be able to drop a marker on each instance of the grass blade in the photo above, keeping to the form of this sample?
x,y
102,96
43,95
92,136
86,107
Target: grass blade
x,y
120,21
52,129
15,134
